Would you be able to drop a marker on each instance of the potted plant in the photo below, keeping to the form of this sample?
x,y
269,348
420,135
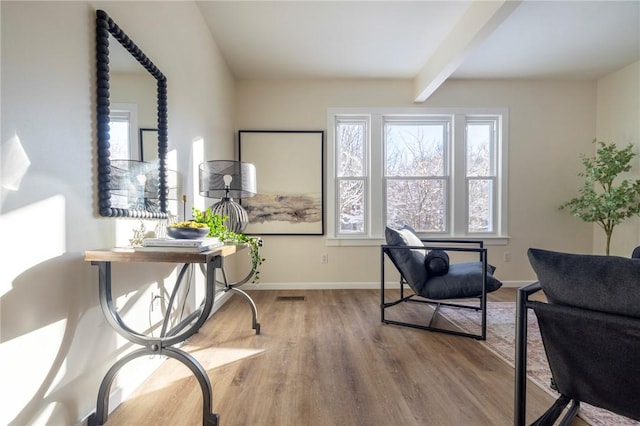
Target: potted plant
x,y
601,201
217,228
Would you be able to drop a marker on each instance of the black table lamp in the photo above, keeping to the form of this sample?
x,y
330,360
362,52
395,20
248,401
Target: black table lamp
x,y
226,179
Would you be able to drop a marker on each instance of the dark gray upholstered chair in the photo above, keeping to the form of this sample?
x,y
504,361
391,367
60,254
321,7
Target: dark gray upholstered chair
x,y
590,329
424,267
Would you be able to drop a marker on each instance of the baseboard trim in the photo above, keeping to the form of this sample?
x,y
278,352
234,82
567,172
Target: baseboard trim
x,y
341,285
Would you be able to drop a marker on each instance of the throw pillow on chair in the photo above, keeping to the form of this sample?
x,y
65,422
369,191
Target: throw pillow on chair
x,y
437,263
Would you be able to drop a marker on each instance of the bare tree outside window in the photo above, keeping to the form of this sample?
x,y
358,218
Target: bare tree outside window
x,y
415,174
480,159
351,171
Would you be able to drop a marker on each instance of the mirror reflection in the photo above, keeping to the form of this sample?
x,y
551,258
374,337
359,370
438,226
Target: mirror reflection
x,y
133,107
132,127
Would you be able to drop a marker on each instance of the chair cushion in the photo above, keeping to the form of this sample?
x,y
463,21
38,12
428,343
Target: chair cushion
x,y
437,263
463,280
410,263
600,283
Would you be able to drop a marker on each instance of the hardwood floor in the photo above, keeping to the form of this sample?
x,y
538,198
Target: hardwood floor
x,y
327,360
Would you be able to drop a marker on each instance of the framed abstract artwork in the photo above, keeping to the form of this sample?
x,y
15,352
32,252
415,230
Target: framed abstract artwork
x,y
290,176
148,144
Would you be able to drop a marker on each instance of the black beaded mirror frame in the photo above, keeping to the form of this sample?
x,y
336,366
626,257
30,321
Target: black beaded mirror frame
x,y
105,26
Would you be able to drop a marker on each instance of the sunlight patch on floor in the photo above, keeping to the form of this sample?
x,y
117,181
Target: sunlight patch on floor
x,y
216,358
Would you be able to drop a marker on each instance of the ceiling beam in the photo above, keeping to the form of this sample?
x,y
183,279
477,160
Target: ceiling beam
x,y
478,22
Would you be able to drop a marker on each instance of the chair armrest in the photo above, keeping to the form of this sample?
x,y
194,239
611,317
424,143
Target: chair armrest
x,y
456,245
527,290
436,247
479,243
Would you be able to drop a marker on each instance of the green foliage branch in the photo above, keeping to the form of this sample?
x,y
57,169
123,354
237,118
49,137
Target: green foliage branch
x,y
218,229
601,201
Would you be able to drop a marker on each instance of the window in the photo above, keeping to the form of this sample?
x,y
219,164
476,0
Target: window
x,y
123,125
443,172
416,173
481,175
351,174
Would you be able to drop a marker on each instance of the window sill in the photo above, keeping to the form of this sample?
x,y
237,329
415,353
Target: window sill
x,y
376,242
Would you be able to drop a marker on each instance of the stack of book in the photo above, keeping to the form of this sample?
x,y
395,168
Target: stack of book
x,y
196,245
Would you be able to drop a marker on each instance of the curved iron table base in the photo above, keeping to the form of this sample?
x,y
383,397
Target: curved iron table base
x,y
102,412
157,345
255,324
227,286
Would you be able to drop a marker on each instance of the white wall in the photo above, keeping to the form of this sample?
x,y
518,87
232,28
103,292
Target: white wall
x,y
55,345
619,121
551,123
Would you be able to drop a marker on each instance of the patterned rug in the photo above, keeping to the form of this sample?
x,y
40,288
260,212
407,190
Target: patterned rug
x,y
501,325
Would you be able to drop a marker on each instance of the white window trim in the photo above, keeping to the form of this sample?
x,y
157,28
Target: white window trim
x,y
373,232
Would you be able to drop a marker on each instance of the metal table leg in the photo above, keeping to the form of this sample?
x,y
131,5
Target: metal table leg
x,y
226,286
255,324
156,346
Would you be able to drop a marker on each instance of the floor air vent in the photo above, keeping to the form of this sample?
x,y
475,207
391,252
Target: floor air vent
x,y
290,299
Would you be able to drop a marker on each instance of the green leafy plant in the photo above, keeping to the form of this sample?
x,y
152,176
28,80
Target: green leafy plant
x,y
217,228
601,201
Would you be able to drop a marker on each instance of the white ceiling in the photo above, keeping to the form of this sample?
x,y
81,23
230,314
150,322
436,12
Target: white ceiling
x,y
428,41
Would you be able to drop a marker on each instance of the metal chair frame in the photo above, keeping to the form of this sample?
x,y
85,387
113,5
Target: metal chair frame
x,y
434,244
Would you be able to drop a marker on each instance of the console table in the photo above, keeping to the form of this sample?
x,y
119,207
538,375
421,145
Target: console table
x,y
209,261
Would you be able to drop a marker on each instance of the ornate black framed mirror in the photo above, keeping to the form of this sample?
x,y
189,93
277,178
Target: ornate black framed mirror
x,y
127,186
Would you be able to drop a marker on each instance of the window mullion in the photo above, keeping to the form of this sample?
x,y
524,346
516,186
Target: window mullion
x,y
375,182
457,177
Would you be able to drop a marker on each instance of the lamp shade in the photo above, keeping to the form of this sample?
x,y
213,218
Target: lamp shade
x,y
241,178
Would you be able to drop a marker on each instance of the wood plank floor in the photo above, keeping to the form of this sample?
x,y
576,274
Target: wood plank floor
x,y
327,360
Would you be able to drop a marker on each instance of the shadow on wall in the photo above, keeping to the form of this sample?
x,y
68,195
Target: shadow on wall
x,y
54,340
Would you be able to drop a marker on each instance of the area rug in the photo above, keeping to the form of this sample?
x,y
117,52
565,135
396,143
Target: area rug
x,y
501,326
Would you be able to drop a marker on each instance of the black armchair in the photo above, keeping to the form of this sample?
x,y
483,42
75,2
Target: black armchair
x,y
424,267
590,329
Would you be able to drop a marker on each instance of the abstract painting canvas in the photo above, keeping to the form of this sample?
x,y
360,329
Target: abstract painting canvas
x,y
290,175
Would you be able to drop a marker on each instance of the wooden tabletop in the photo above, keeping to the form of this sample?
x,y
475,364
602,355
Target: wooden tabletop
x,y
131,255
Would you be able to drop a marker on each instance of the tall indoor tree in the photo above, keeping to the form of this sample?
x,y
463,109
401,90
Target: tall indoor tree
x,y
602,200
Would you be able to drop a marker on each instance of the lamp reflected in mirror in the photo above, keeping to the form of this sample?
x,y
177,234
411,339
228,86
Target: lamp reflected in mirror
x,y
134,185
226,180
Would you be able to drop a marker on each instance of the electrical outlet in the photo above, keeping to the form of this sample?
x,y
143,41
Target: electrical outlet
x,y
154,298
324,258
507,256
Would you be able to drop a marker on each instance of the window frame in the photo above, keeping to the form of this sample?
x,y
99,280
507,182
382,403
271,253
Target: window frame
x,y
365,177
375,180
495,177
